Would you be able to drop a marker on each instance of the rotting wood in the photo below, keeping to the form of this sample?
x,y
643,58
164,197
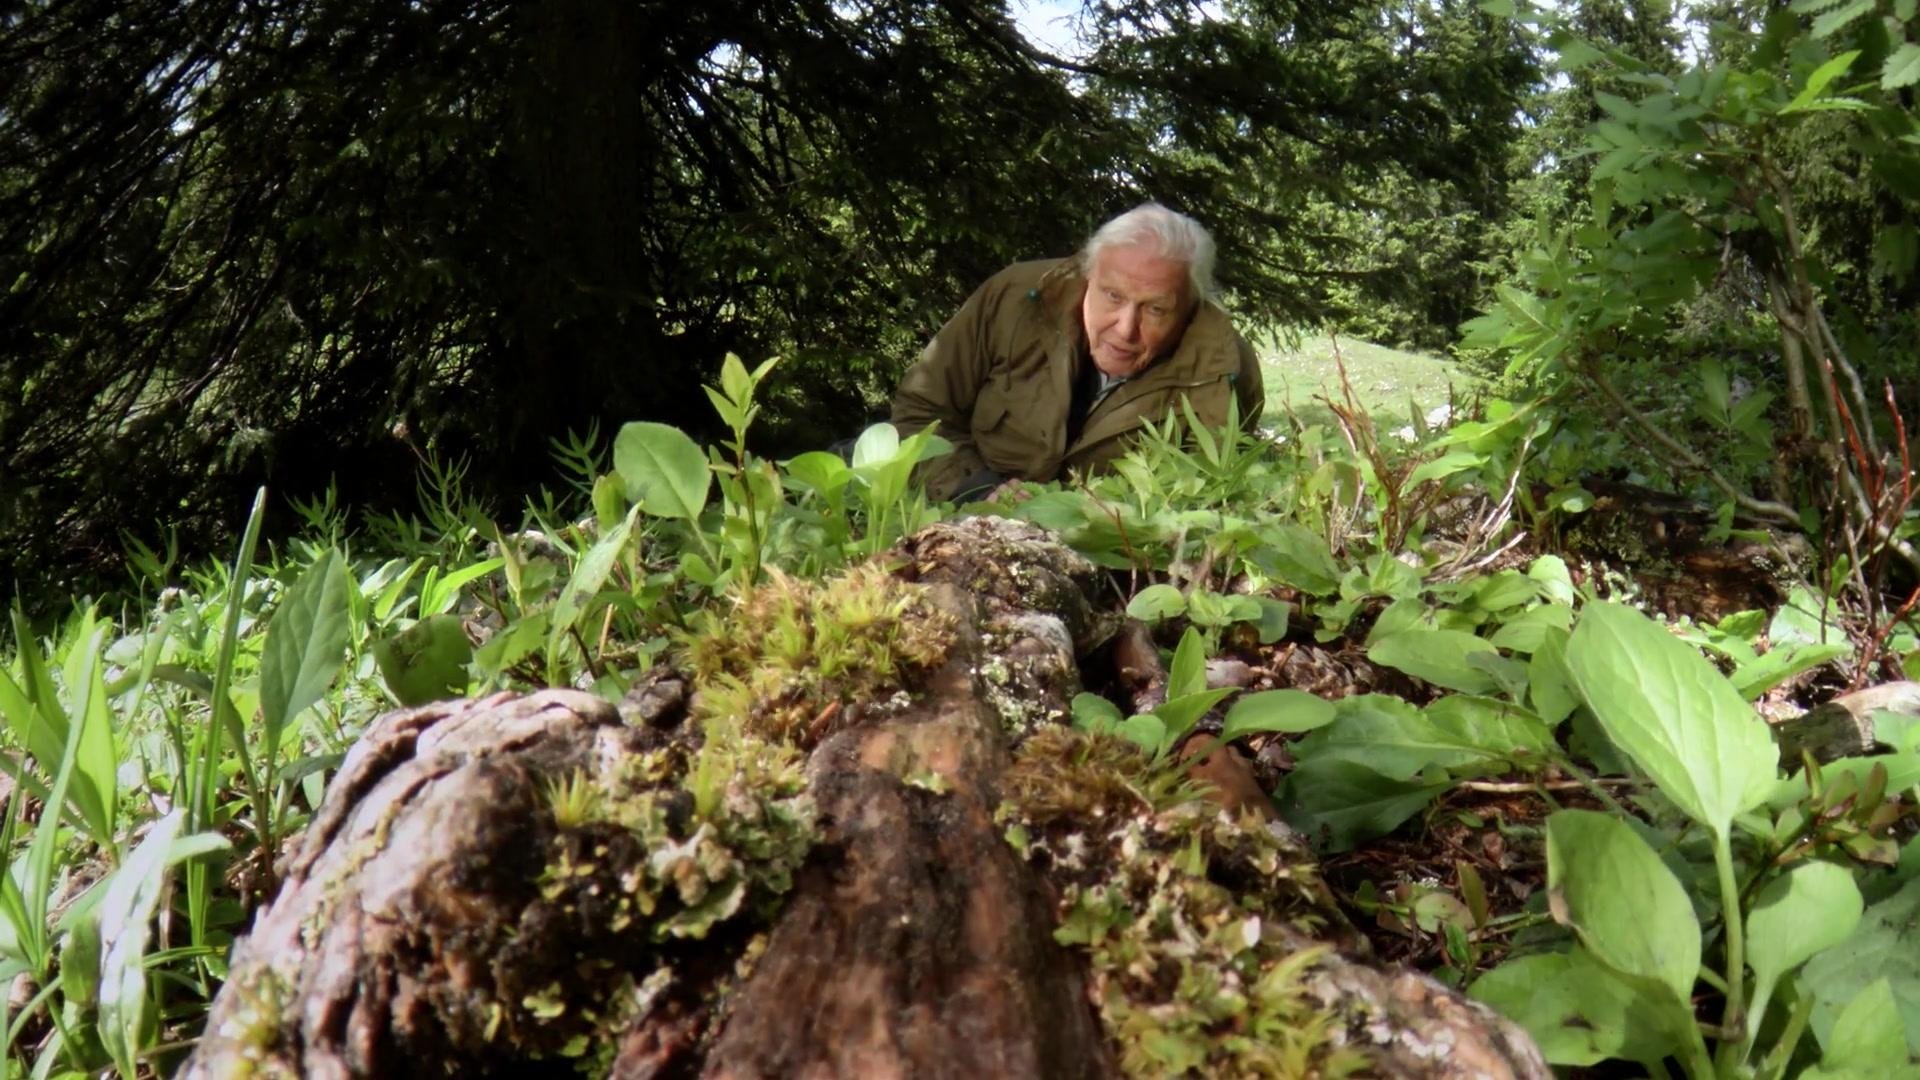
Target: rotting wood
x,y
419,916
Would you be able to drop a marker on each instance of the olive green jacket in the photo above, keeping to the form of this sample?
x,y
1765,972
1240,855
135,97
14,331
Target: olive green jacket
x,y
998,379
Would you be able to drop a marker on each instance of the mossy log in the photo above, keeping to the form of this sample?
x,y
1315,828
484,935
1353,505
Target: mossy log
x,y
937,880
1666,547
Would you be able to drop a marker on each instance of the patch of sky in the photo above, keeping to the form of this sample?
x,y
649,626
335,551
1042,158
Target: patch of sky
x,y
1049,25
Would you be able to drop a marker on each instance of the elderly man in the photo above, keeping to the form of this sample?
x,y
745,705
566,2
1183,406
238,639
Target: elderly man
x,y
1054,365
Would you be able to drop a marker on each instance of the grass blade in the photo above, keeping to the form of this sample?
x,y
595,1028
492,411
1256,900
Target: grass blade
x,y
205,762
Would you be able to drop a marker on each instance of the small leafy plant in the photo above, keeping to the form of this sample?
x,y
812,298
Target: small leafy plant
x,y
1627,985
1160,730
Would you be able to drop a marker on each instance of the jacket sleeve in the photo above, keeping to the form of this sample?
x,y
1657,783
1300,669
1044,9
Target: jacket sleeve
x,y
1250,388
940,388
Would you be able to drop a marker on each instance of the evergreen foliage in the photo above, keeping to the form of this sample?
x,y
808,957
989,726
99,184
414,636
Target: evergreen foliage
x,y
286,243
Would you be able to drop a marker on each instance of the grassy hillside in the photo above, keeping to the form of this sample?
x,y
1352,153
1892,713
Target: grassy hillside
x,y
1301,374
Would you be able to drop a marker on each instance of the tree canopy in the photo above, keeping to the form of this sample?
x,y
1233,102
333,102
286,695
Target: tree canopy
x,y
289,243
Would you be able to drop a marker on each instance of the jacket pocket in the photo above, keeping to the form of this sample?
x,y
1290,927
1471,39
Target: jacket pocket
x,y
989,412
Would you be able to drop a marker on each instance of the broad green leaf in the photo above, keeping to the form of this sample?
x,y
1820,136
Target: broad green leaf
x,y
1444,466
588,576
697,570
1528,631
1277,710
386,590
1838,104
878,444
1188,672
1628,909
1064,512
1526,308
1339,803
520,639
1296,556
1781,663
440,592
126,917
1716,391
1484,332
1179,714
306,644
822,471
42,860
1812,907
1745,625
1834,68
1399,741
1886,945
1404,614
1208,608
1549,687
1805,619
1511,675
97,783
1145,731
1897,247
47,721
1506,589
883,464
734,380
1615,105
1869,1036
610,500
1826,25
1576,1009
1575,54
1274,617
80,958
1091,712
1388,576
427,661
23,718
1437,656
1673,713
1902,772
1571,499
930,445
44,723
1897,729
665,472
1157,602
1902,68
1490,727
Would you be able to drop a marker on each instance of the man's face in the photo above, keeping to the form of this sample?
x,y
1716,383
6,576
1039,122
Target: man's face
x,y
1135,309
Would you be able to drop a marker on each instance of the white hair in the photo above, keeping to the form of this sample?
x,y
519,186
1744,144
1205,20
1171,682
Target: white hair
x,y
1167,233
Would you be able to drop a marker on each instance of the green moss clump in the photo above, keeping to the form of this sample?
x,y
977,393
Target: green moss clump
x,y
1068,778
790,654
255,1027
1195,925
655,850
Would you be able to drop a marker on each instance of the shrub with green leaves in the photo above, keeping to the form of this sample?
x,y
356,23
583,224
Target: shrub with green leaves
x,y
1626,985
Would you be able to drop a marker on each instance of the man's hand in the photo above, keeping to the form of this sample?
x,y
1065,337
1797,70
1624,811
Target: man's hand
x,y
1011,491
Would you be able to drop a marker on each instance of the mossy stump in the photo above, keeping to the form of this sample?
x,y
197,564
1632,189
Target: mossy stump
x,y
913,869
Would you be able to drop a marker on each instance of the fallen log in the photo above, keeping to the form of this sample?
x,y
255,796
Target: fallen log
x,y
904,867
